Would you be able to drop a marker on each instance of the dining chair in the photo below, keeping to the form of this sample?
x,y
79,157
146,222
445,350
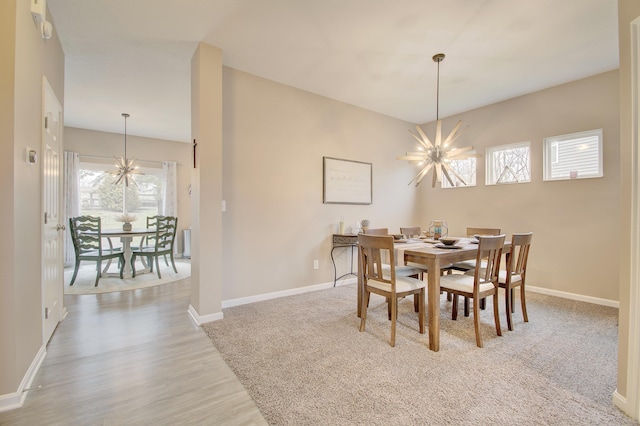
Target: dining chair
x,y
416,230
376,279
86,234
514,274
159,244
407,271
467,265
483,282
412,270
377,231
151,223
411,231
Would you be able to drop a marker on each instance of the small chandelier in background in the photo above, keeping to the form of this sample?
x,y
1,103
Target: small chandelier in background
x,y
437,155
125,168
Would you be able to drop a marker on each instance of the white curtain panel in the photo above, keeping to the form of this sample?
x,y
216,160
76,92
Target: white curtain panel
x,y
71,199
170,193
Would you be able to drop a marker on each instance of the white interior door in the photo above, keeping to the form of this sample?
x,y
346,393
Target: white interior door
x,y
53,228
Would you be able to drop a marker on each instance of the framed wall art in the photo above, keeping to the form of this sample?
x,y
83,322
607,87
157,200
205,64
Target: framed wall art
x,y
346,181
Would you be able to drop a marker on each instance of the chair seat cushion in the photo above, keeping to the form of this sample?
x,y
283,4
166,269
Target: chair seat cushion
x,y
105,252
401,271
462,282
403,284
468,264
502,276
150,250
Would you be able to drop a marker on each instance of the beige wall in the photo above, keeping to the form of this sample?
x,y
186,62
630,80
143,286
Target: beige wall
x,y
628,10
23,65
276,224
575,223
7,89
206,129
146,151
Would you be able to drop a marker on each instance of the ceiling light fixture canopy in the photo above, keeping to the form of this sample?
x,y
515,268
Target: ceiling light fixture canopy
x,y
436,155
125,168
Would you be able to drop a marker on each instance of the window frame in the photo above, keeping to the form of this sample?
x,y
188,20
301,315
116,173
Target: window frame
x,y
445,184
550,142
489,151
104,165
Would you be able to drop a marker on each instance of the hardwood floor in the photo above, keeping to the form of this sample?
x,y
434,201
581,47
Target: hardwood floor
x,y
134,357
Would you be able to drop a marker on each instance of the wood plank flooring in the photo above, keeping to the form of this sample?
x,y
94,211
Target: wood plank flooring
x,y
134,358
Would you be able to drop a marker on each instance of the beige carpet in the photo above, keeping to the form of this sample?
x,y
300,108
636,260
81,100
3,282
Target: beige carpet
x,y
85,281
304,362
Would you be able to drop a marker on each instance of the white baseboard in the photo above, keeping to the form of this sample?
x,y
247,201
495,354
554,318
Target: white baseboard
x,y
201,319
276,294
574,296
16,400
619,401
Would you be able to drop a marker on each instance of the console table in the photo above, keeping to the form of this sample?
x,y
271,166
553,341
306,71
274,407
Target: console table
x,y
343,240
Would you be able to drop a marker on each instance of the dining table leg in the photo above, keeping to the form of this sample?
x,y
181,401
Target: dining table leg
x,y
126,244
433,297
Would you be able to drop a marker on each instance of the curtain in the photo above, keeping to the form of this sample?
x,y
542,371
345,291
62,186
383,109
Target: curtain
x,y
71,199
169,190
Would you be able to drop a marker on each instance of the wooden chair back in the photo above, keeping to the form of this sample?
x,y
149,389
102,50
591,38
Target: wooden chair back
x,y
377,231
482,231
517,258
376,278
489,251
411,231
373,249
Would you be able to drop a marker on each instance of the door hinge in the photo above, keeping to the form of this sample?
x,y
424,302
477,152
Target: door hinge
x,y
46,218
46,313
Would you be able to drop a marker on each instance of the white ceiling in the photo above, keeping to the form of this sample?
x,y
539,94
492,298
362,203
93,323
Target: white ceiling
x,y
134,55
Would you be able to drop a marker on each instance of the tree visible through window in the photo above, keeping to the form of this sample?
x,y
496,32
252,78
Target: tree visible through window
x,y
466,169
508,164
100,197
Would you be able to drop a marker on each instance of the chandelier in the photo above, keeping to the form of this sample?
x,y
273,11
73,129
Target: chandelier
x,y
125,168
436,155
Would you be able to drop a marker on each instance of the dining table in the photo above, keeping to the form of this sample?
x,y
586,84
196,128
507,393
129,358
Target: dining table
x,y
434,256
126,237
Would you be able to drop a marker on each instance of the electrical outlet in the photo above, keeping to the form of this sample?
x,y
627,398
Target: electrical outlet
x,y
315,264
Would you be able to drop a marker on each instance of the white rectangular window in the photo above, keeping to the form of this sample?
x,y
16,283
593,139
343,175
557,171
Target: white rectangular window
x,y
508,164
100,197
574,156
466,169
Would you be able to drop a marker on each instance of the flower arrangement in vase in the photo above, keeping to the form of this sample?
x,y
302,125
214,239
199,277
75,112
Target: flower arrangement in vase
x,y
126,220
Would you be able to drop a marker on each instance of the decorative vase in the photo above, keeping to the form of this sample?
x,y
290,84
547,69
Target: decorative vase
x,y
126,226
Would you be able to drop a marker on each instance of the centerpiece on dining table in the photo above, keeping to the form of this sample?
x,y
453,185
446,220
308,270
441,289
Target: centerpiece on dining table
x,y
126,220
